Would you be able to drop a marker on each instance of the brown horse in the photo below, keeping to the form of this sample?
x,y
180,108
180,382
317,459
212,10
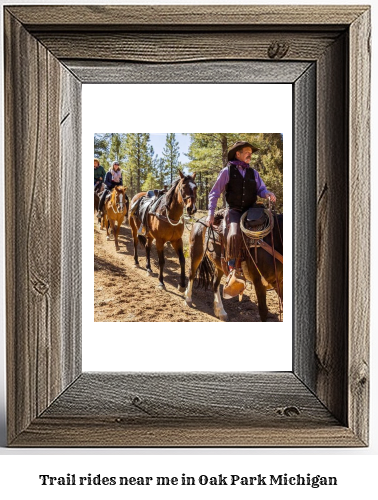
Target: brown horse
x,y
166,224
211,272
115,211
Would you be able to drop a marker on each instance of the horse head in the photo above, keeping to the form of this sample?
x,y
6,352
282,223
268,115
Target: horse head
x,y
188,192
119,198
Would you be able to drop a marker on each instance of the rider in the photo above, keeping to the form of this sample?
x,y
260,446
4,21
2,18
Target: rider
x,y
99,174
242,184
113,178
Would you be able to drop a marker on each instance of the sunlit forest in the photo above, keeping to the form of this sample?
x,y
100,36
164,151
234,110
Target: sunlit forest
x,y
143,169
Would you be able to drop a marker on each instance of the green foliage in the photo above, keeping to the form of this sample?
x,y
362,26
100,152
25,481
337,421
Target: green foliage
x,y
151,182
207,156
171,153
100,145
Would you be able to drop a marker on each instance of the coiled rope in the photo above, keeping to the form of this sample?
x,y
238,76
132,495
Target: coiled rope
x,y
266,229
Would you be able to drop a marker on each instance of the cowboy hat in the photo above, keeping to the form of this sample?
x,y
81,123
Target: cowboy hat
x,y
240,145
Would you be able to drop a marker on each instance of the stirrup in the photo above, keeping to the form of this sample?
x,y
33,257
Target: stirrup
x,y
235,284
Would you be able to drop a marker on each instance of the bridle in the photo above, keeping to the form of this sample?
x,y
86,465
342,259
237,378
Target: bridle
x,y
181,220
121,205
192,185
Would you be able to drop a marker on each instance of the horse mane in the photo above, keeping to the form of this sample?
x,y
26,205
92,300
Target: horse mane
x,y
170,193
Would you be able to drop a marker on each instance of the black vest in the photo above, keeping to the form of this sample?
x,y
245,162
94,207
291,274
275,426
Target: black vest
x,y
241,192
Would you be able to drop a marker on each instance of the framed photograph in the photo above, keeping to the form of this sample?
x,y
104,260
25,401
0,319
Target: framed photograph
x,y
170,313
323,52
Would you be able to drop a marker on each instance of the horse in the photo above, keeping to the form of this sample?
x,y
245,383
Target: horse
x,y
208,257
115,211
97,196
168,227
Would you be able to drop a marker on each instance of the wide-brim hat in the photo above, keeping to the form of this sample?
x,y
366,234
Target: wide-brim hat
x,y
239,145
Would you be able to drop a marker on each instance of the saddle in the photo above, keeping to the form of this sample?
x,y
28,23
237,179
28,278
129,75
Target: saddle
x,y
147,204
255,220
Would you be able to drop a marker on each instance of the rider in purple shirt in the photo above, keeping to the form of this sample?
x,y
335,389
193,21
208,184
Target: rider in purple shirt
x,y
242,184
223,179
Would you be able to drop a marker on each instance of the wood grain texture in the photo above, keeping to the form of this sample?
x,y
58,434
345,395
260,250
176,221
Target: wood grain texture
x,y
216,396
102,432
222,409
71,174
139,17
304,228
332,230
181,47
34,243
359,242
324,401
200,72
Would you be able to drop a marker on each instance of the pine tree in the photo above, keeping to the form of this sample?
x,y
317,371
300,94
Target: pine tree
x,y
208,155
116,151
151,182
171,154
102,148
139,161
101,145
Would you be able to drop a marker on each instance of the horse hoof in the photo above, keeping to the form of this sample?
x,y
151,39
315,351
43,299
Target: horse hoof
x,y
161,286
223,317
181,288
149,272
118,249
136,264
188,302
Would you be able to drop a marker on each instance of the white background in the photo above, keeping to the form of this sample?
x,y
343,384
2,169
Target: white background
x,y
355,468
186,346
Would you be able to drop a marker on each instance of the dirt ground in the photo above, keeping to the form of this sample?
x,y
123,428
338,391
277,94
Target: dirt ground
x,y
125,293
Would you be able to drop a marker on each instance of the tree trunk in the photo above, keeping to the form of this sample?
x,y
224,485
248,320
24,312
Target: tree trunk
x,y
224,150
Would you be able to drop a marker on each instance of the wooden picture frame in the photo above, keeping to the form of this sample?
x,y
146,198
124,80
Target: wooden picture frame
x,y
324,52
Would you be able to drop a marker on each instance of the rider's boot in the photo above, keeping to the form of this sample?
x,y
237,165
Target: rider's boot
x,y
236,283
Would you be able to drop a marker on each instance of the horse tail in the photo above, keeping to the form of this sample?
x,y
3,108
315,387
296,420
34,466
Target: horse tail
x,y
142,240
205,273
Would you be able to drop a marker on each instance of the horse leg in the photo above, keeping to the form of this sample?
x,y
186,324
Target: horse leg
x,y
218,304
116,233
178,246
134,231
160,252
112,227
149,240
196,244
261,297
105,222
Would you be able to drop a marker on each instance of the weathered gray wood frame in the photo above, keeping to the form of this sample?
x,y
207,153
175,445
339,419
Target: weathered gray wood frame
x,y
49,52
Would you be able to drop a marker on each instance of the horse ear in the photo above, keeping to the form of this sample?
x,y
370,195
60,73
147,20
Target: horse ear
x,y
181,174
194,175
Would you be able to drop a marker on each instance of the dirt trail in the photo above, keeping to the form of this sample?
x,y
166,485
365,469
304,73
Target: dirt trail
x,y
125,293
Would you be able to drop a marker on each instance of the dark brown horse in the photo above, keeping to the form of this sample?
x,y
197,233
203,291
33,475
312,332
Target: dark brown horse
x,y
211,272
97,195
166,225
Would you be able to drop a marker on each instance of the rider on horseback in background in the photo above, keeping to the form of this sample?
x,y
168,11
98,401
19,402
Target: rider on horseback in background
x,y
113,178
99,175
242,184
